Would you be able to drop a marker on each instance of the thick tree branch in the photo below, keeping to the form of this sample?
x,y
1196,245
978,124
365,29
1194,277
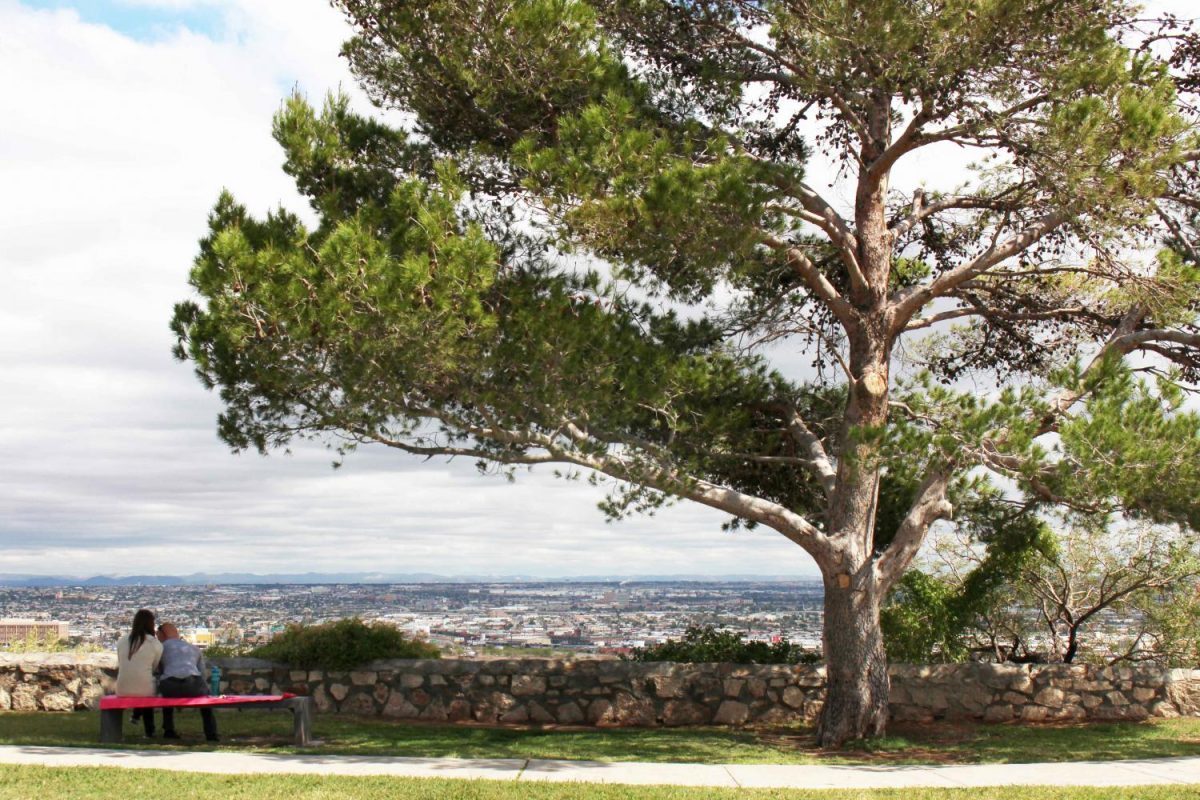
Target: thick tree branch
x,y
930,505
977,311
907,302
817,283
818,460
1063,401
821,214
908,140
1134,341
584,450
921,210
990,121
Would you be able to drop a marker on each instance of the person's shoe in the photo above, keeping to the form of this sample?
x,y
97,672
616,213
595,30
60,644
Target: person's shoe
x,y
213,739
171,735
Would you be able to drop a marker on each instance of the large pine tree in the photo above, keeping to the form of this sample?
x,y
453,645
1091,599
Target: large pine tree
x,y
598,218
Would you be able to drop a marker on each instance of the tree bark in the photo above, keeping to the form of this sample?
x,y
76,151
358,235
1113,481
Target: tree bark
x,y
856,699
857,685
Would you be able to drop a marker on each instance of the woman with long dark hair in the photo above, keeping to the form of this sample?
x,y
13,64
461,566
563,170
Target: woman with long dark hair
x,y
138,654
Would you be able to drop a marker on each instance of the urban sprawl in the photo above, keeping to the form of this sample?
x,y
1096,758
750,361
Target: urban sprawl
x,y
471,619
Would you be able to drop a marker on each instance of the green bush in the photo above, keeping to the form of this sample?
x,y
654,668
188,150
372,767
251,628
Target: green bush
x,y
344,644
33,643
226,651
707,645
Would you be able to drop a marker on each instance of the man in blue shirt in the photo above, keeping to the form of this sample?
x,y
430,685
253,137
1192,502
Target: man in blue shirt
x,y
182,675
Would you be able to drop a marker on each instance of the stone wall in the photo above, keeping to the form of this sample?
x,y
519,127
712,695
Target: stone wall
x,y
607,693
1037,692
56,681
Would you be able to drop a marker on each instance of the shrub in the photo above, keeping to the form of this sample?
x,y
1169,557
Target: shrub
x,y
707,644
33,643
226,651
344,644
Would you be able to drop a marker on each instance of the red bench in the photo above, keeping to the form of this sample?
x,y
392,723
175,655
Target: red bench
x,y
113,708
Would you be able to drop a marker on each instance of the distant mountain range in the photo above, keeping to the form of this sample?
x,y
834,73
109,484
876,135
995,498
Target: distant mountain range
x,y
203,578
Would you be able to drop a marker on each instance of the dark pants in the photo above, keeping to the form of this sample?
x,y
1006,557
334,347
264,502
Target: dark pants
x,y
187,687
146,715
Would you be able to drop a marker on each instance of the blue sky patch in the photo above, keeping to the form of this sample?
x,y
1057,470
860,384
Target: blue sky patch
x,y
140,22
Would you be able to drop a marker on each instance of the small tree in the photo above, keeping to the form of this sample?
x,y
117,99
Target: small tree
x,y
1126,592
601,215
1171,632
1124,571
946,610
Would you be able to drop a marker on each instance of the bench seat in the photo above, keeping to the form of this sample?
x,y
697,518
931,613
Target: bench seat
x,y
113,708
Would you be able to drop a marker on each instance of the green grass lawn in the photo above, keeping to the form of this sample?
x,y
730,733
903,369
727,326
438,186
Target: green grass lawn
x,y
109,783
939,743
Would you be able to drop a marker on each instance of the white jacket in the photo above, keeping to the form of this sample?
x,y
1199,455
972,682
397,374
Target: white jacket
x,y
135,676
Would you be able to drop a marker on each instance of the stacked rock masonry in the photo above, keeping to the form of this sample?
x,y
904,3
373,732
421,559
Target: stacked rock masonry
x,y
607,693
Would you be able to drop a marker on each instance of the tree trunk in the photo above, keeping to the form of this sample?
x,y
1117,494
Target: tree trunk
x,y
1072,644
856,693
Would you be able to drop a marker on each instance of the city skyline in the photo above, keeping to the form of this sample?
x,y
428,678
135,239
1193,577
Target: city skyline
x,y
574,616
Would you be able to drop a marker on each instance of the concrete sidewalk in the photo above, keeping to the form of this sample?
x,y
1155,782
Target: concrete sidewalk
x,y
816,776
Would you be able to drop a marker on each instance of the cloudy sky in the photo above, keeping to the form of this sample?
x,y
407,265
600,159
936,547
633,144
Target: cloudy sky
x,y
121,122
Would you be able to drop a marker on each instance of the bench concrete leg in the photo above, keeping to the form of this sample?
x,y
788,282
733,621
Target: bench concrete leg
x,y
302,719
111,721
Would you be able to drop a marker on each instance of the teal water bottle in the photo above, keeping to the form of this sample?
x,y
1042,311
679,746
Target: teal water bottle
x,y
214,680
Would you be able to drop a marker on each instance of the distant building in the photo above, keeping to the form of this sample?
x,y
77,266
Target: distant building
x,y
229,634
201,637
13,631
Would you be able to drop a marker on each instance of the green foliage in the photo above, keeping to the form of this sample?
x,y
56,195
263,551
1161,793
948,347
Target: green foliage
x,y
342,162
391,293
414,315
707,645
226,651
1174,297
928,616
1136,447
1115,103
35,643
922,621
549,50
631,192
1172,622
310,331
1032,590
344,644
